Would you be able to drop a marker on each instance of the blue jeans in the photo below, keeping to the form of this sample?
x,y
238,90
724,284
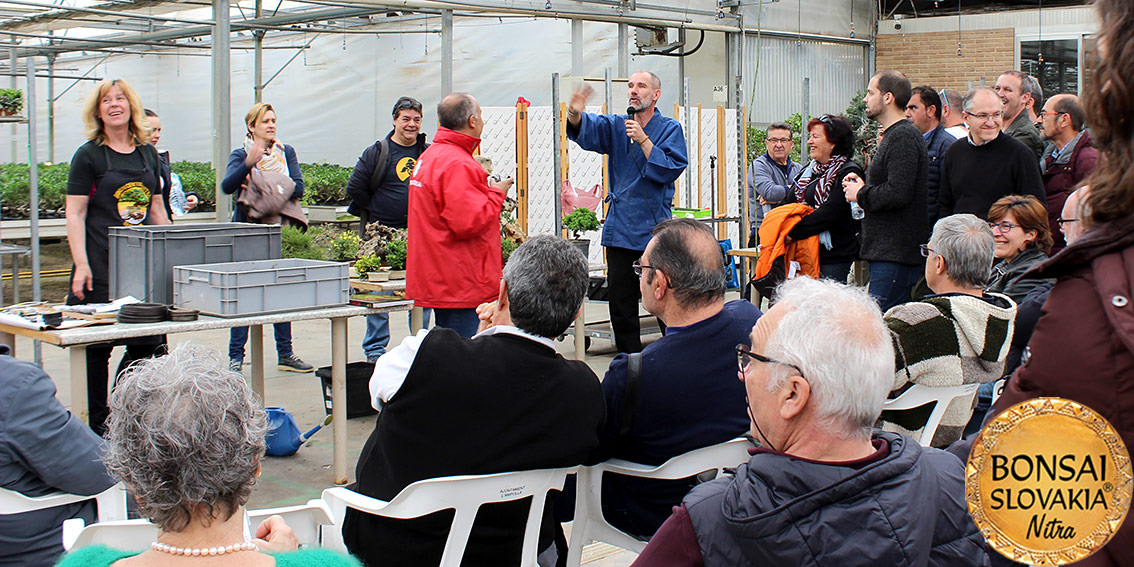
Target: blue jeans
x,y
239,336
378,333
463,321
891,283
837,271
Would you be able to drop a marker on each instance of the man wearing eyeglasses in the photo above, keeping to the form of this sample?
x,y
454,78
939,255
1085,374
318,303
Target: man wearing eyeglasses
x,y
379,192
825,488
1068,159
770,175
988,164
686,390
958,335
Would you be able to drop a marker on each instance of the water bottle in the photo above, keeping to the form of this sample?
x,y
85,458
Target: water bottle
x,y
856,211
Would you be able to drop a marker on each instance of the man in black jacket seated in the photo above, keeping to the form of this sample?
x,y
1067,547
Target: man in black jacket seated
x,y
501,401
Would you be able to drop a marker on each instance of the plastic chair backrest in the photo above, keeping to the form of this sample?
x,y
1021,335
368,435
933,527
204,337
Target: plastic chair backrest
x,y
590,525
305,520
125,535
465,494
919,395
111,502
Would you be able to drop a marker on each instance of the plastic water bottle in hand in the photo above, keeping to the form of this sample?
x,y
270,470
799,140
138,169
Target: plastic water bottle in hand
x,y
856,211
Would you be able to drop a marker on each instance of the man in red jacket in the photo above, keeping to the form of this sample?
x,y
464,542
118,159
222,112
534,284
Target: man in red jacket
x,y
1068,159
453,260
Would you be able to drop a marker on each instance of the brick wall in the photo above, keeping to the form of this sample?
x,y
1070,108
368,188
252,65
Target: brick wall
x,y
931,58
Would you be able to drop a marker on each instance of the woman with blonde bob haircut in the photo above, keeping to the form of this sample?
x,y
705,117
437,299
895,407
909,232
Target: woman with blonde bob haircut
x,y
186,436
114,181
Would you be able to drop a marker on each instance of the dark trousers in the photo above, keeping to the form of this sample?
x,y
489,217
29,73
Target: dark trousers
x,y
239,336
624,295
98,376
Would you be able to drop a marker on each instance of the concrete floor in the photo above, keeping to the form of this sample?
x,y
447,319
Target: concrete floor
x,y
300,477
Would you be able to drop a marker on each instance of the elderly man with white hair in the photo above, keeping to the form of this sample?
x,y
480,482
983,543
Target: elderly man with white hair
x,y
825,489
958,335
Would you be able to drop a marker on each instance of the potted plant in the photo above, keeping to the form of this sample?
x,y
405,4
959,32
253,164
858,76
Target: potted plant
x,y
11,101
579,221
345,246
371,266
396,257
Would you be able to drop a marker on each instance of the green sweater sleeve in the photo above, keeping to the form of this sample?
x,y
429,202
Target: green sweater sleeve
x,y
315,558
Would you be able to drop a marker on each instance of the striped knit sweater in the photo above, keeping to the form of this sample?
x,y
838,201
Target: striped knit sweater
x,y
947,340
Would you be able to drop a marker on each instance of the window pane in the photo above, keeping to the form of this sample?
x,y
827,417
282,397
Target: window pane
x,y
1054,63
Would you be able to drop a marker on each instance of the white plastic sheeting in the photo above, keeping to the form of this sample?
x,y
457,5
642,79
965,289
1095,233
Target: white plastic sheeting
x,y
837,72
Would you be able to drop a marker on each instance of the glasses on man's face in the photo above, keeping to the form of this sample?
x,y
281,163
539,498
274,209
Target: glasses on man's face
x,y
1002,226
1062,222
744,355
778,141
983,116
639,266
925,250
1050,113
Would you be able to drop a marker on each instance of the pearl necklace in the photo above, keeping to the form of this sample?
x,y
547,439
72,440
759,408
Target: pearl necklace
x,y
204,551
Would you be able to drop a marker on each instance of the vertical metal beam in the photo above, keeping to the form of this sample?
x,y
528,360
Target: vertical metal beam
x,y
556,161
222,103
258,58
446,52
623,51
681,68
577,48
12,85
688,142
33,197
51,108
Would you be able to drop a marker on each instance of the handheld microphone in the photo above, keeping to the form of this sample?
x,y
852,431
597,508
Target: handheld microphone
x,y
631,111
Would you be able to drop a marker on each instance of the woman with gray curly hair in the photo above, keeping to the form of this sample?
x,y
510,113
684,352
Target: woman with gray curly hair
x,y
186,435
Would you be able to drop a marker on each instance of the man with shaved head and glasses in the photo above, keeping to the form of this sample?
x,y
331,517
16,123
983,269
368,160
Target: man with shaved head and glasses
x,y
825,488
687,396
986,165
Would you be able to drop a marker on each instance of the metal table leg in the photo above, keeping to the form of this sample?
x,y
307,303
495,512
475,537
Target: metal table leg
x,y
79,407
256,336
338,397
581,332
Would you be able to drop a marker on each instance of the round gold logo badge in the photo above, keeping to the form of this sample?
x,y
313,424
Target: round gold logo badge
x,y
1048,482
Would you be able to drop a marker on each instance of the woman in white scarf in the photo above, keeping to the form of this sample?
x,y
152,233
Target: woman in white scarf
x,y
263,151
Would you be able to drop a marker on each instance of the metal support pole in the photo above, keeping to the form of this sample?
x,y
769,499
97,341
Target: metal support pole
x,y
608,84
681,100
623,50
556,159
51,108
222,104
258,57
446,52
577,48
12,85
33,197
805,113
689,141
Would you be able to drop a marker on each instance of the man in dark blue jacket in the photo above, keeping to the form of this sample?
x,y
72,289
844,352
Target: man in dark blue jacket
x,y
43,449
824,489
924,110
687,395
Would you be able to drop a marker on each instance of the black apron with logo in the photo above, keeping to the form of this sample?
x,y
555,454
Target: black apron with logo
x,y
121,198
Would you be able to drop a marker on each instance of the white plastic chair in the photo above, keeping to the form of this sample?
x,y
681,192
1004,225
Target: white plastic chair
x,y
306,520
919,395
465,494
126,535
111,502
590,525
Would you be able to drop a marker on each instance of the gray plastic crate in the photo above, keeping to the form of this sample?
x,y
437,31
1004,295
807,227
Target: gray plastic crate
x,y
142,257
264,286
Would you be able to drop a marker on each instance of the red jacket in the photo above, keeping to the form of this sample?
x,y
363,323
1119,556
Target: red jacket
x,y
1083,346
1064,175
453,259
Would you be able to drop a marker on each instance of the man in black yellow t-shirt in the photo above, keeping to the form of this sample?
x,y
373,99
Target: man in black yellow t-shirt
x,y
379,187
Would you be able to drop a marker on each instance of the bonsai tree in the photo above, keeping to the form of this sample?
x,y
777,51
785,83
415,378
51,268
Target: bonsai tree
x,y
11,101
367,264
345,245
396,254
579,221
